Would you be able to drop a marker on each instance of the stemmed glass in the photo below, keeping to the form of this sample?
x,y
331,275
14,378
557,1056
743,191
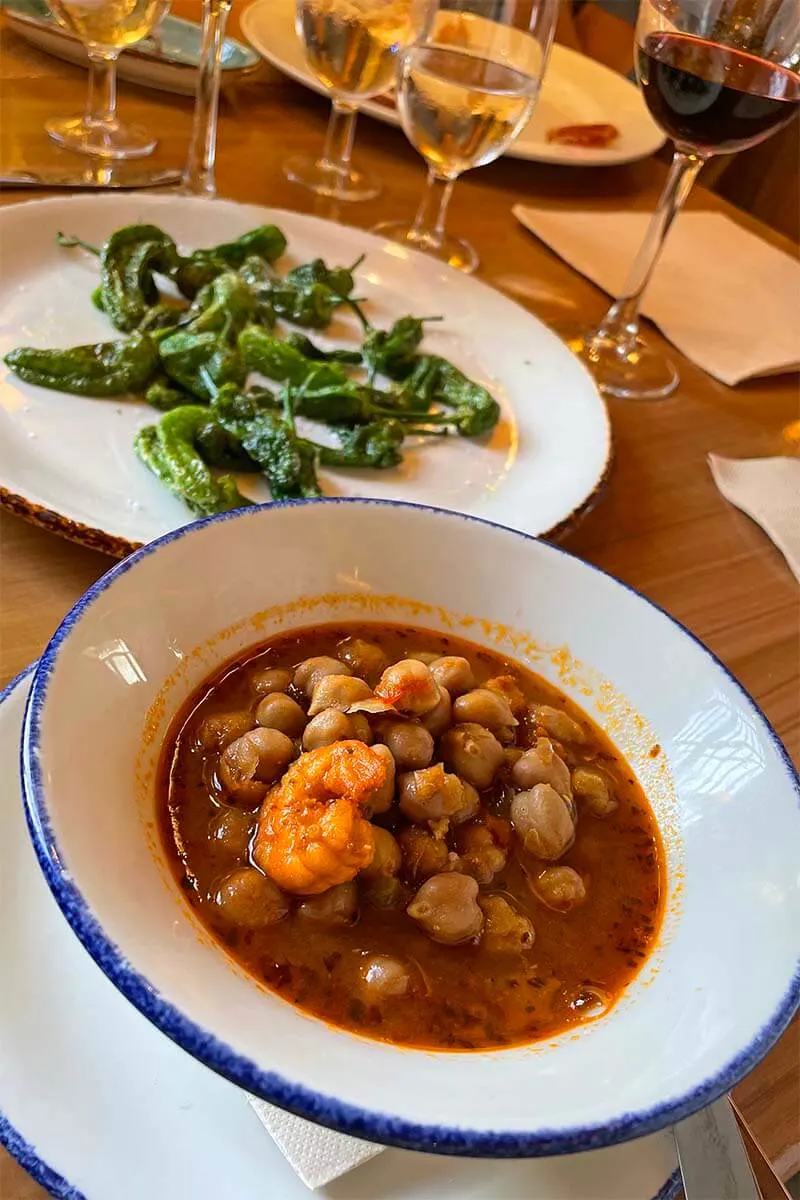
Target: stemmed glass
x,y
106,28
466,90
199,176
352,47
717,77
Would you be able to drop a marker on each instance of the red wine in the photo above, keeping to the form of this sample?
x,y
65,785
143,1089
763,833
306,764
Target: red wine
x,y
711,98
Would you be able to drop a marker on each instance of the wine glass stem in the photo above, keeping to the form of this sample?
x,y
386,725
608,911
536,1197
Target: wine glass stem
x,y
102,103
339,138
428,227
621,322
198,176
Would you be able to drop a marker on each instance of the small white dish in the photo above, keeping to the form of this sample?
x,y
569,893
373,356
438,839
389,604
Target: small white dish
x,y
722,788
576,90
67,462
128,1115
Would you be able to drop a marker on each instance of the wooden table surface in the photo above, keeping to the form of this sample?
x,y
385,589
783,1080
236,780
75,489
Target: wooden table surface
x,y
661,526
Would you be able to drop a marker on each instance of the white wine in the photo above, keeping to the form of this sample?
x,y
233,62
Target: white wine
x,y
352,45
117,23
461,110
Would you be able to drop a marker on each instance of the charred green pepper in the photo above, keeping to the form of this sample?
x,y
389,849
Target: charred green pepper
x,y
106,369
374,445
201,362
170,450
192,272
127,262
271,356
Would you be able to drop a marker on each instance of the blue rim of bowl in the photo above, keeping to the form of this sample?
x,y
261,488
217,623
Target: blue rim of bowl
x,y
296,1098
31,1161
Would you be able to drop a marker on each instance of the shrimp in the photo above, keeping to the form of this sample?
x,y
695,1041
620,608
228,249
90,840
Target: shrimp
x,y
311,833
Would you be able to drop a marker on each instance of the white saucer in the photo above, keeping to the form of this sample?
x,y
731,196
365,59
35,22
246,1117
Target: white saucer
x,y
95,1102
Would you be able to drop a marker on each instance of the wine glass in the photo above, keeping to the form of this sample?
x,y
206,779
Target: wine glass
x,y
105,27
352,47
466,89
717,77
199,176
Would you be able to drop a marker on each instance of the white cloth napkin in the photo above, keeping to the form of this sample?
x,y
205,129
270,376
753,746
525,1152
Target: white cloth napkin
x,y
318,1155
768,490
725,298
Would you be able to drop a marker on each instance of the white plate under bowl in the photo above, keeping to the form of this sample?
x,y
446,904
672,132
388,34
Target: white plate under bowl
x,y
576,90
721,787
68,461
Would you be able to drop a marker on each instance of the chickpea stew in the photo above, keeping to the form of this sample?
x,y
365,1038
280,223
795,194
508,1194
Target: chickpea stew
x,y
412,837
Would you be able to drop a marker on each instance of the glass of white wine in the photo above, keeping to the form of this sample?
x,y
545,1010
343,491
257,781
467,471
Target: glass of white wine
x,y
352,47
106,28
466,90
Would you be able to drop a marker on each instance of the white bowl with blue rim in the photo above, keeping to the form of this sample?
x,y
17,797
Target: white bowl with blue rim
x,y
723,980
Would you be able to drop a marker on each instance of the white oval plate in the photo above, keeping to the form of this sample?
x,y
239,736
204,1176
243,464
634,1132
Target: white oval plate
x,y
67,461
129,1115
576,91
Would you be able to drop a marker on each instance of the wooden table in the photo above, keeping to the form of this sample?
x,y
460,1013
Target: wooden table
x,y
661,526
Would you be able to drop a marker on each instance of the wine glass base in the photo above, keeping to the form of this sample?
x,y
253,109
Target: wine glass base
x,y
101,139
451,250
638,373
326,180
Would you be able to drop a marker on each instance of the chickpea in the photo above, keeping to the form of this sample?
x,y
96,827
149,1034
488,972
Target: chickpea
x,y
541,764
256,758
560,888
454,673
508,687
360,728
446,906
484,707
409,686
308,674
423,854
272,679
439,718
504,929
337,906
382,977
410,744
472,752
558,724
279,711
337,691
363,658
246,897
543,822
331,726
381,799
386,860
431,794
424,656
593,788
326,728
483,847
230,829
218,731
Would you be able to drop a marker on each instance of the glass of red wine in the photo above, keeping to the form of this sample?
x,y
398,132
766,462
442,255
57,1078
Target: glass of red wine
x,y
718,76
